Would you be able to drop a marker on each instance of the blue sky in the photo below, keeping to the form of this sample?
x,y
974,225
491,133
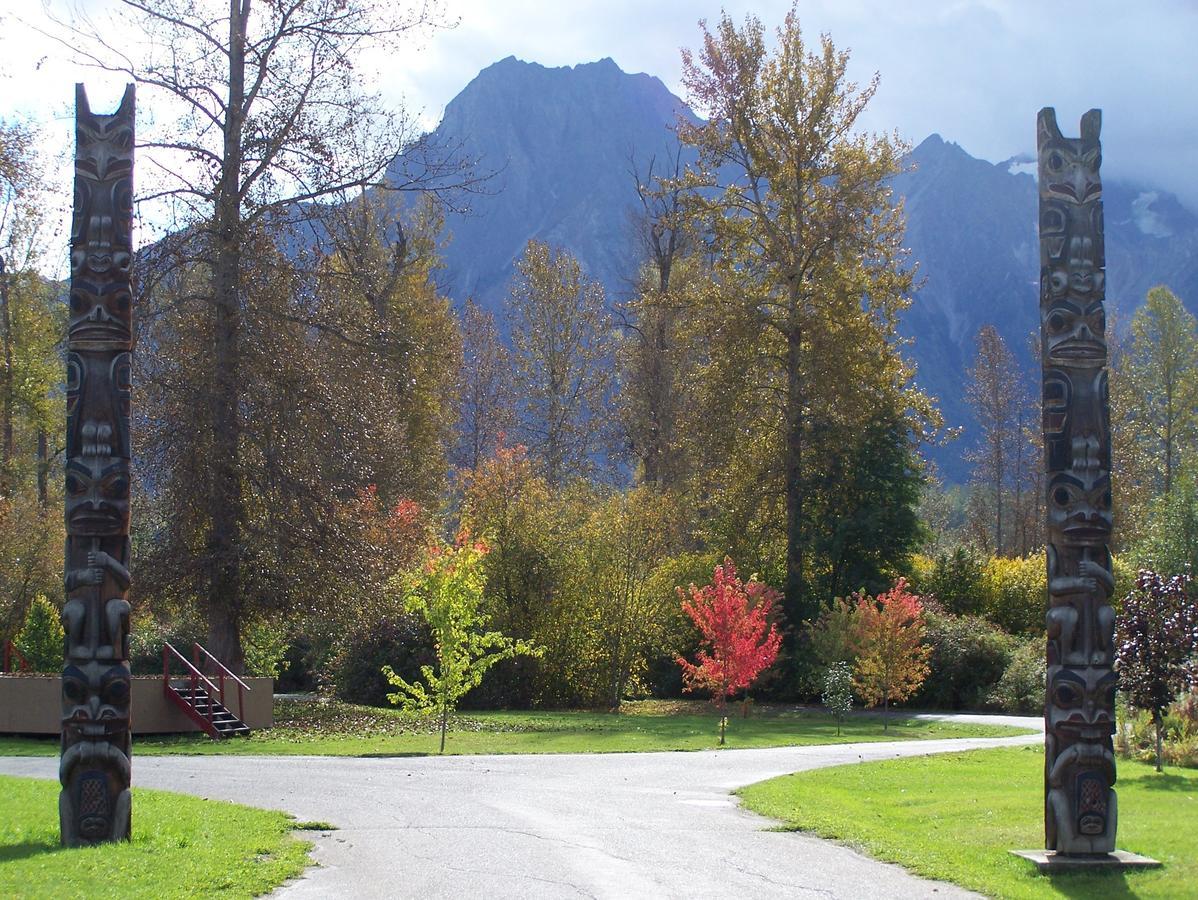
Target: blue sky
x,y
975,71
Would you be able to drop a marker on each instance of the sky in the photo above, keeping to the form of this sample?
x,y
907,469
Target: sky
x,y
974,71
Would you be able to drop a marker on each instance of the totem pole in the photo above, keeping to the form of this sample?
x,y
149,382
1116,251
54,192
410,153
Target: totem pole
x,y
94,805
1080,809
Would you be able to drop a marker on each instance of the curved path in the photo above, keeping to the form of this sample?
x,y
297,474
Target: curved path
x,y
601,825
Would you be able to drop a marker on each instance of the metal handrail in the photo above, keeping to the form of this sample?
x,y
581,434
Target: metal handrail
x,y
195,675
198,650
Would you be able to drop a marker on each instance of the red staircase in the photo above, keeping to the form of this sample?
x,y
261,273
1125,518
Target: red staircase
x,y
200,698
13,656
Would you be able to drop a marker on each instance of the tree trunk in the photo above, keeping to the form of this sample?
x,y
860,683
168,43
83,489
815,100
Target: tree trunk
x,y
444,724
886,712
1159,722
43,471
7,445
224,538
793,585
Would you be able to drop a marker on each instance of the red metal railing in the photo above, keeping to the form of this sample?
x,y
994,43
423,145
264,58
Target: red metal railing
x,y
197,678
10,653
199,655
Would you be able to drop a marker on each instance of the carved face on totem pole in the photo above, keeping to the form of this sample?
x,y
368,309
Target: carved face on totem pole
x,y
101,301
1079,508
97,497
95,700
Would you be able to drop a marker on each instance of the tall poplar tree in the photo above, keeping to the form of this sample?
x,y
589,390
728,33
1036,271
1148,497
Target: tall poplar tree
x,y
795,205
559,327
1163,368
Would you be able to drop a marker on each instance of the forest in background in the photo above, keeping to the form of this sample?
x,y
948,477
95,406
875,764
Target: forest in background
x,y
309,419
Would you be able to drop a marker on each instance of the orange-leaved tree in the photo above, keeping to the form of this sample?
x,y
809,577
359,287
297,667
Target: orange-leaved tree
x,y
892,660
738,642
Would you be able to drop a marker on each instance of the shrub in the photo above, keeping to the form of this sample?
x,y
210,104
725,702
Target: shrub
x,y
956,580
969,656
1016,593
265,646
402,642
148,634
40,640
1021,687
830,636
838,691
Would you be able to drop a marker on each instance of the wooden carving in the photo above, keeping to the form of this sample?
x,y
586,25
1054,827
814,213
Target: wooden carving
x,y
94,805
1080,804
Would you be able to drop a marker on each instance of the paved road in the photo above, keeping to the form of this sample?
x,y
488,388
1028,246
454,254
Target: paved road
x,y
603,825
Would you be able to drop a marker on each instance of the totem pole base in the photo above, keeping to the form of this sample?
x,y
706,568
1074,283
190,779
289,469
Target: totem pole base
x,y
1049,862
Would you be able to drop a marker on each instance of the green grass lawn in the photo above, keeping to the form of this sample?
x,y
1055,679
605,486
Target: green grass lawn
x,y
327,728
181,847
954,817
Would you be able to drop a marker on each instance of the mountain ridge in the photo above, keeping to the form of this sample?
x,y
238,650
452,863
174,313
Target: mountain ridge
x,y
565,139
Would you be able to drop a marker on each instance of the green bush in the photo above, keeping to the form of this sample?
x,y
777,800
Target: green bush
x,y
265,645
147,636
401,642
1136,738
955,580
969,656
1021,687
40,640
1016,593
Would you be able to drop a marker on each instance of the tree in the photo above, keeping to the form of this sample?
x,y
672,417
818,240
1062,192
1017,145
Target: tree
x,y
830,635
267,120
448,594
795,206
653,357
40,640
485,389
837,697
1003,463
738,641
892,660
1163,362
1157,637
622,543
559,325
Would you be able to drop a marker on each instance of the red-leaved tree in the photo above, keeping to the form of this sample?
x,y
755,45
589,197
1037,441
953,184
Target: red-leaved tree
x,y
892,660
739,641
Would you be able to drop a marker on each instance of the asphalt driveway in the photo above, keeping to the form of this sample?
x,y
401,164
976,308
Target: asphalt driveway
x,y
601,825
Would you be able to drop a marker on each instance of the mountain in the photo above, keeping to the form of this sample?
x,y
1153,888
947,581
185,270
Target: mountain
x,y
562,142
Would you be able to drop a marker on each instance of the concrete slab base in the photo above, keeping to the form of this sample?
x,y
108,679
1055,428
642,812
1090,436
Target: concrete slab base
x,y
1050,862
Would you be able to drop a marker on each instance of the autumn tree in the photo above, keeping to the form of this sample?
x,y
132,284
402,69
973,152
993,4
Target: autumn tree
x,y
485,388
559,326
266,119
447,593
654,356
1163,370
625,538
32,323
1157,638
738,641
892,660
1004,465
794,204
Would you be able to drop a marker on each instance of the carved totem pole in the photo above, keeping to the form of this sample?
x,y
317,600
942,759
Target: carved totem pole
x,y
1080,809
94,805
